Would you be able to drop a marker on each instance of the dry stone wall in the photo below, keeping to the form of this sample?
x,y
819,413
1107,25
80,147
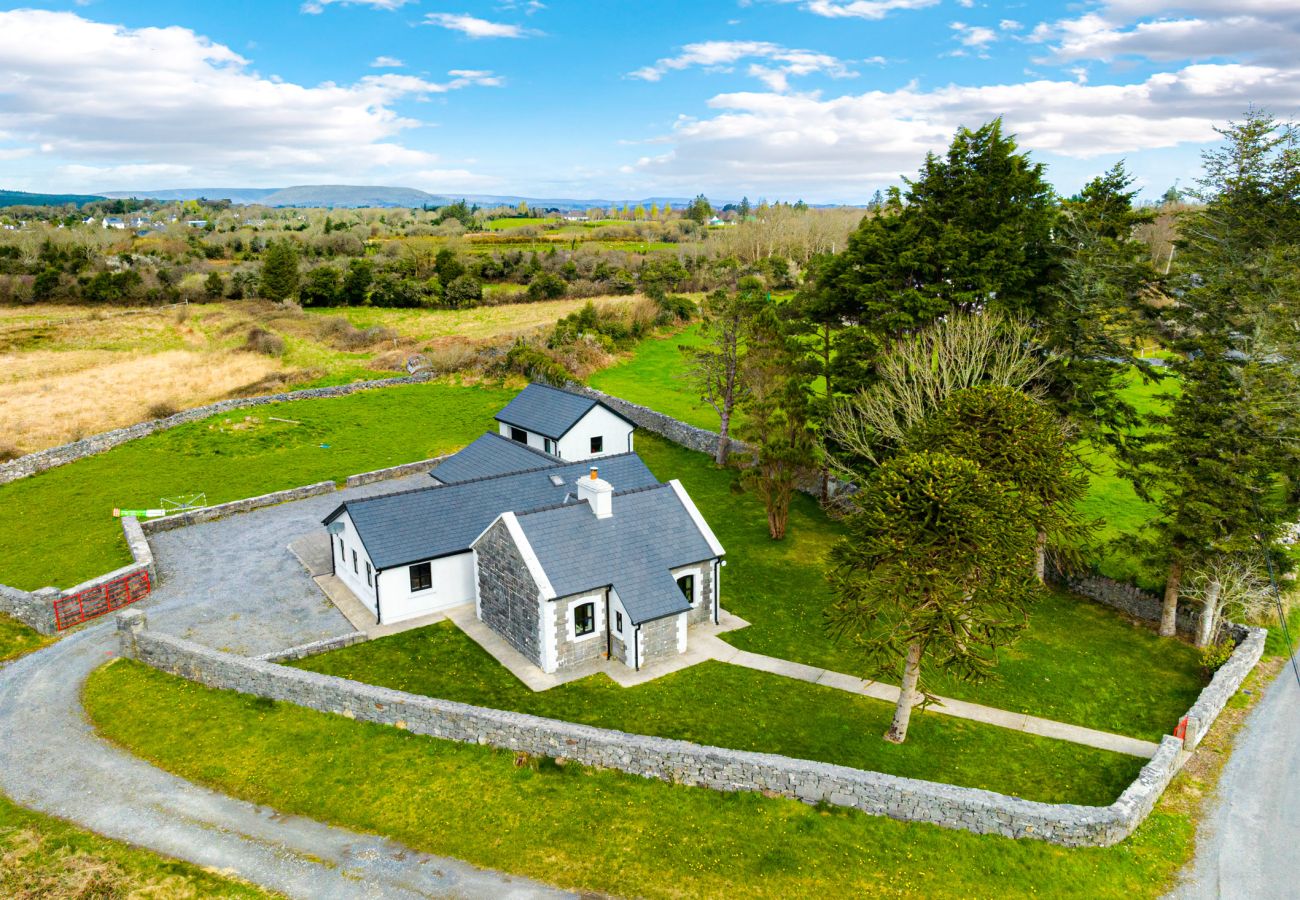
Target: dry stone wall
x,y
668,760
1226,682
1130,599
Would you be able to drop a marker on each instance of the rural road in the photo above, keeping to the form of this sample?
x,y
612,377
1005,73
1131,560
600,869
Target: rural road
x,y
52,761
1246,845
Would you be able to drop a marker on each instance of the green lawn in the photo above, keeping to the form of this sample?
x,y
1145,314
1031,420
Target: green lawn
x,y
1078,662
781,715
59,530
653,376
45,857
17,638
587,829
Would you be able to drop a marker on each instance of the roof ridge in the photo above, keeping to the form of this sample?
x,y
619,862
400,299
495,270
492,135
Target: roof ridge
x,y
574,504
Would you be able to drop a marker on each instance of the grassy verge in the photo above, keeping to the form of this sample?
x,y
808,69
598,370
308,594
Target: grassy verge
x,y
587,829
1078,662
41,856
17,638
66,532
781,715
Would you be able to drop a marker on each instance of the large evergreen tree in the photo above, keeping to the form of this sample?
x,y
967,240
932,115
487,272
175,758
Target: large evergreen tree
x,y
279,270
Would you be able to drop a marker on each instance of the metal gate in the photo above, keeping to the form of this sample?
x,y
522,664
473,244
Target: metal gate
x,y
100,600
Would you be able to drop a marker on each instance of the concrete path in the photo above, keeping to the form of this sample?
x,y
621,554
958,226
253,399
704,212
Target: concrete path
x,y
1245,846
1103,740
52,761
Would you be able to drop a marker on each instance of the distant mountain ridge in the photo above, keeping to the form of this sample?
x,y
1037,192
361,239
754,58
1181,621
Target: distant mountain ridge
x,y
22,198
351,196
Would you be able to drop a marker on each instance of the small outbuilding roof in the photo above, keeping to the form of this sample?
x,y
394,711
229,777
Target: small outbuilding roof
x,y
650,533
491,455
549,411
443,519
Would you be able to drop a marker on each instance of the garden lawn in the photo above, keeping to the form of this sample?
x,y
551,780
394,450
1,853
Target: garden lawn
x,y
653,375
17,638
586,829
721,705
57,528
1078,662
41,856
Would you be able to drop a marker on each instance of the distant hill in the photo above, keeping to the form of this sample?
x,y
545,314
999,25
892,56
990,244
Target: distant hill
x,y
351,195
234,195
22,198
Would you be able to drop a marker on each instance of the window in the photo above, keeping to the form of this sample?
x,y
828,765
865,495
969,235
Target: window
x,y
368,572
598,444
548,445
584,619
687,584
618,622
354,562
518,435
421,577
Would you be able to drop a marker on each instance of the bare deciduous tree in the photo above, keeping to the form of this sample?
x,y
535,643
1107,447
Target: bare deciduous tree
x,y
1227,586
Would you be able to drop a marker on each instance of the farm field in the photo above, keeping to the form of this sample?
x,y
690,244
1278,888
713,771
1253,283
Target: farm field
x,y
69,372
782,716
596,830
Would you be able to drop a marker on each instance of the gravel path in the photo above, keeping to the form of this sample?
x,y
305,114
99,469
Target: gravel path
x,y
1244,847
234,585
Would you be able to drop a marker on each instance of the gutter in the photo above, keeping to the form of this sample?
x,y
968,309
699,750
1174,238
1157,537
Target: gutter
x,y
379,615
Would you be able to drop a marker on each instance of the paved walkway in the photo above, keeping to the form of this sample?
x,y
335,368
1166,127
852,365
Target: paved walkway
x,y
52,761
1245,845
1103,740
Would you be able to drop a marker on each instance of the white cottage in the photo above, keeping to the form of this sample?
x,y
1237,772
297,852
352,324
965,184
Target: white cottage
x,y
565,425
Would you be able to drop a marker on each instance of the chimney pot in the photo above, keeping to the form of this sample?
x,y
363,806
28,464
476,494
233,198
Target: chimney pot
x,y
593,473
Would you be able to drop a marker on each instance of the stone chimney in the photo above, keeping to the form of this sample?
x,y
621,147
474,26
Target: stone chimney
x,y
598,493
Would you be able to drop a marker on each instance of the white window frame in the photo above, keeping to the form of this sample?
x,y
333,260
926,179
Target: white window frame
x,y
571,619
697,585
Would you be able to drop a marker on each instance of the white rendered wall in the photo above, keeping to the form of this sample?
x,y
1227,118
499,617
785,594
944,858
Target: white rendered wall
x,y
454,583
616,607
576,445
355,580
536,441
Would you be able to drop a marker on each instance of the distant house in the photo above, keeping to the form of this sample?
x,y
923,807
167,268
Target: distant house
x,y
197,223
567,562
114,222
565,425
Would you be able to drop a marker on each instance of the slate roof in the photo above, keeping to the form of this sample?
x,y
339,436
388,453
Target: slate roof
x,y
426,523
633,550
548,411
491,455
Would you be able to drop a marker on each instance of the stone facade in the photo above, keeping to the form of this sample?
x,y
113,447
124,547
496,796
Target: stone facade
x,y
983,812
508,595
60,456
703,610
570,651
659,639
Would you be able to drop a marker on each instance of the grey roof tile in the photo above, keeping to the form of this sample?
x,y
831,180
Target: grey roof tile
x,y
491,455
547,411
439,520
649,533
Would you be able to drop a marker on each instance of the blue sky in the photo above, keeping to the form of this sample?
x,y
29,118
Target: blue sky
x,y
824,100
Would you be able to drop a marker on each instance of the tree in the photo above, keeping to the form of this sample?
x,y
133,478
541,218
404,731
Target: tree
x,y
776,418
1228,585
936,564
321,288
465,291
745,209
279,270
448,265
700,211
715,365
356,283
546,286
214,286
1021,443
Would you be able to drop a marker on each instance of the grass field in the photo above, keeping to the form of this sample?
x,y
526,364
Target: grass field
x,y
17,638
44,857
66,533
781,715
652,375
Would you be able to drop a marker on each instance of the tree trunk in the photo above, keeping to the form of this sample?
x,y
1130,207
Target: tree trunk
x,y
1040,557
906,696
1209,614
724,438
1169,612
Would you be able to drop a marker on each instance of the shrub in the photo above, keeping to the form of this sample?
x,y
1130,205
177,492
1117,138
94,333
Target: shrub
x,y
533,363
1215,655
262,341
673,308
162,409
9,452
464,291
546,286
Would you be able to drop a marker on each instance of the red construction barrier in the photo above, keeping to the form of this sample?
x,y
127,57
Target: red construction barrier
x,y
1180,731
100,600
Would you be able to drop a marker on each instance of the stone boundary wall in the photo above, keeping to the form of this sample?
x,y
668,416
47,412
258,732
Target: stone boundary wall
x,y
1130,599
1225,683
982,812
221,510
33,608
302,651
53,457
415,468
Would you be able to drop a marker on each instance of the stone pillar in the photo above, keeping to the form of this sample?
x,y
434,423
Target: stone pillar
x,y
130,624
45,599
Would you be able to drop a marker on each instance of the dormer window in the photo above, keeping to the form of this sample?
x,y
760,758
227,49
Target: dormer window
x,y
598,444
518,435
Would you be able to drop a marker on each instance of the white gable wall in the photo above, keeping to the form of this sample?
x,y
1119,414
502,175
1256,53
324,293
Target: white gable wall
x,y
617,435
454,582
355,578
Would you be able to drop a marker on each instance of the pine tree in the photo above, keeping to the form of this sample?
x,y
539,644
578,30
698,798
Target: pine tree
x,y
279,270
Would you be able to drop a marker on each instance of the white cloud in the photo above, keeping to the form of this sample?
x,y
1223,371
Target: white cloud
x,y
476,28
783,62
386,62
315,7
126,103
1010,25
802,143
976,36
860,9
